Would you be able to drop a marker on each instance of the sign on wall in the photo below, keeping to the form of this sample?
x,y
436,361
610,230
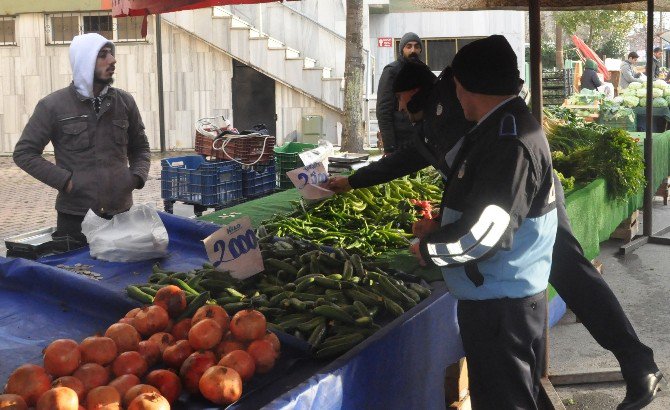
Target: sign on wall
x,y
384,41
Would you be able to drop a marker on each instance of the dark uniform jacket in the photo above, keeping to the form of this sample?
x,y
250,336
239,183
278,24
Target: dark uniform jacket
x,y
395,127
590,80
498,210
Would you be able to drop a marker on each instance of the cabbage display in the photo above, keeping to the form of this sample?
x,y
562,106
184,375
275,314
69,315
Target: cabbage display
x,y
634,86
659,102
631,101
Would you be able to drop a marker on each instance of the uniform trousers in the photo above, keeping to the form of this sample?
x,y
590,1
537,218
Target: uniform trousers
x,y
504,344
586,293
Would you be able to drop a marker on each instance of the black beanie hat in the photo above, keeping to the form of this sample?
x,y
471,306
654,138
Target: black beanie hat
x,y
407,38
413,74
488,66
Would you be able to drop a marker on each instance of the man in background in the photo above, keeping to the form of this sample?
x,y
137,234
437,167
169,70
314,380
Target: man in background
x,y
394,126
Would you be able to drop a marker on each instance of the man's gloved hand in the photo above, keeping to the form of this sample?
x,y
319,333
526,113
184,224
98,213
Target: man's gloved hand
x,y
339,185
415,250
137,182
423,227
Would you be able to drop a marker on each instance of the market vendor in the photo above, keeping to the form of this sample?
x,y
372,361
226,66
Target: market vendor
x,y
101,151
628,73
440,123
590,79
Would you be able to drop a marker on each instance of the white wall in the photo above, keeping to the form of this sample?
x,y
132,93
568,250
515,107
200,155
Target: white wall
x,y
511,24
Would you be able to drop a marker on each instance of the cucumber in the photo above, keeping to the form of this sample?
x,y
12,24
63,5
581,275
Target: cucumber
x,y
281,265
393,308
136,293
422,291
357,265
337,349
365,298
317,336
361,309
194,305
332,312
348,270
311,324
328,283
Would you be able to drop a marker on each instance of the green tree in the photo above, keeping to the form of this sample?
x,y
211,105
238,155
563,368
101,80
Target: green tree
x,y
598,26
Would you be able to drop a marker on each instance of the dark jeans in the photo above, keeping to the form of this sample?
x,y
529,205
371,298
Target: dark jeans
x,y
68,225
591,299
504,343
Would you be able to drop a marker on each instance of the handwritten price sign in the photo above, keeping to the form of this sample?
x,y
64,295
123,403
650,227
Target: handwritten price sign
x,y
308,178
234,248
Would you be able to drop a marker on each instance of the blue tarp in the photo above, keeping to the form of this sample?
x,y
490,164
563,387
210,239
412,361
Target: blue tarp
x,y
401,366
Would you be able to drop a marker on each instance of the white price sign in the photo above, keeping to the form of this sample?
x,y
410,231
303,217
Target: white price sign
x,y
234,248
308,178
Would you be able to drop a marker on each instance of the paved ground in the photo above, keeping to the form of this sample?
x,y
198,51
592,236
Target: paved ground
x,y
639,280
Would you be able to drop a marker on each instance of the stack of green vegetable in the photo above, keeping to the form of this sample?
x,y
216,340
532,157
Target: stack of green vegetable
x,y
586,151
368,220
332,300
635,95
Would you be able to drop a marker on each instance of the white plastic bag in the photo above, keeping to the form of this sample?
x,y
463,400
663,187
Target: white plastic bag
x,y
135,235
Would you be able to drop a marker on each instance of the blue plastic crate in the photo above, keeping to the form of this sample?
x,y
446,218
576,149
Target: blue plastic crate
x,y
259,180
194,180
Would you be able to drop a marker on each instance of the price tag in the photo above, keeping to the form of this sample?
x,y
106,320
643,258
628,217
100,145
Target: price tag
x,y
308,178
234,248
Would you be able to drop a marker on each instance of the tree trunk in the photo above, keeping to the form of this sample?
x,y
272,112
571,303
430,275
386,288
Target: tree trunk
x,y
352,129
559,47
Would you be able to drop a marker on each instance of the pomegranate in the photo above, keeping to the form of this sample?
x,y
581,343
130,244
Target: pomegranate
x,y
98,349
241,362
149,401
264,355
28,381
215,312
72,383
58,398
150,320
167,382
248,325
12,402
124,335
221,385
172,299
125,382
62,357
103,397
150,351
129,363
180,329
136,391
193,368
205,334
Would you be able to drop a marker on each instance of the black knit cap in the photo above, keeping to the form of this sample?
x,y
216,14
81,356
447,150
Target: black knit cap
x,y
413,74
488,66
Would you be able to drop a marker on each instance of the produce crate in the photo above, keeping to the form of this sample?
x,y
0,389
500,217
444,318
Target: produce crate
x,y
622,123
193,180
259,180
628,228
287,159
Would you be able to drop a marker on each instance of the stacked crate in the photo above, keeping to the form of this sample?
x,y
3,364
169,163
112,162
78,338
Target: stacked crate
x,y
556,86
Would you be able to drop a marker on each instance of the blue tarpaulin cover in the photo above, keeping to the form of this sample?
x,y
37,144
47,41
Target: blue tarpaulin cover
x,y
401,366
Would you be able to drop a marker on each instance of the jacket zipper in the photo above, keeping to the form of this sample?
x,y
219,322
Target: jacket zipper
x,y
72,118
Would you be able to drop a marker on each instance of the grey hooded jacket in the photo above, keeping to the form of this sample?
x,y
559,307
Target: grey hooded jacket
x,y
98,152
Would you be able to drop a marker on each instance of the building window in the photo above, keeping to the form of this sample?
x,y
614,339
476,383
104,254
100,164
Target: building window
x,y
7,31
62,27
438,53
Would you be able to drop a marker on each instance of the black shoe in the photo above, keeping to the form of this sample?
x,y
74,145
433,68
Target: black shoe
x,y
643,392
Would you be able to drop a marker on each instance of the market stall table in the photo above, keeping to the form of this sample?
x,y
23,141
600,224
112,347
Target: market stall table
x,y
39,303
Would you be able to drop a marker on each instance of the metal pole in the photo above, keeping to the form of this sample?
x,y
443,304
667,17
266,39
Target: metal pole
x,y
535,59
648,143
159,71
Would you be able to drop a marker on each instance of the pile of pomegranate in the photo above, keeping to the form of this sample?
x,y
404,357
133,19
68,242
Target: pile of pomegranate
x,y
146,359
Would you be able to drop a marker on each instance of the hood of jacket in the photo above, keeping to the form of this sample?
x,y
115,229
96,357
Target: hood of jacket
x,y
83,55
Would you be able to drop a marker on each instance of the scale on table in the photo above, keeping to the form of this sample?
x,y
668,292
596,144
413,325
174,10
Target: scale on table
x,y
39,243
346,162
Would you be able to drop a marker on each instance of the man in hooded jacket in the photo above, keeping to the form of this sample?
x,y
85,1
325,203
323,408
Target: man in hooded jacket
x,y
394,126
100,148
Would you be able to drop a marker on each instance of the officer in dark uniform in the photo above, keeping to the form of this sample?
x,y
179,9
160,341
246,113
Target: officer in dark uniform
x,y
575,279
